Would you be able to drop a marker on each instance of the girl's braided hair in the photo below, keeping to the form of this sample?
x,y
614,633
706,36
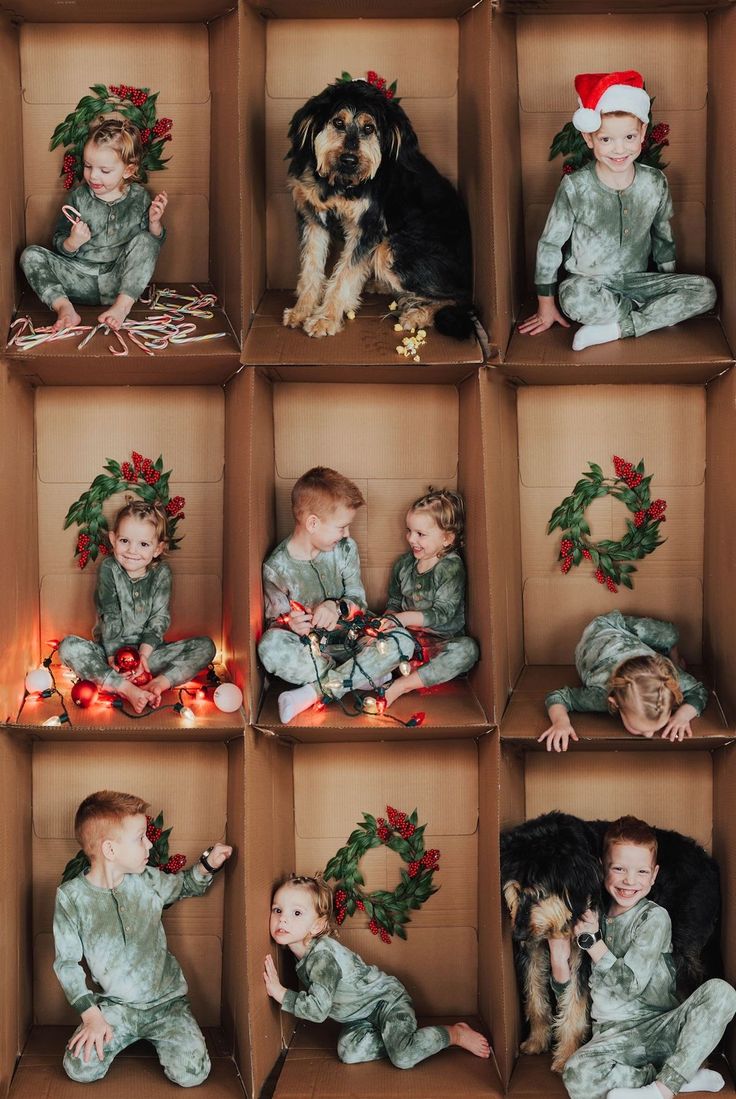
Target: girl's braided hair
x,y
447,508
648,684
122,136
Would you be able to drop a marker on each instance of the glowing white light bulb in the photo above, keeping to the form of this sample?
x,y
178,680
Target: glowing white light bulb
x,y
58,719
40,679
382,646
405,667
228,697
187,715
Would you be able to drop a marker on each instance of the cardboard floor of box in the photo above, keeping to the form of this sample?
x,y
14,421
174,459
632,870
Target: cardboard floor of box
x,y
533,1079
451,710
370,339
62,363
525,717
692,352
313,1071
39,1074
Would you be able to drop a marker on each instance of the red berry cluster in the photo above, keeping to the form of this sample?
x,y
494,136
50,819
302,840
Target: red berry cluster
x,y
104,550
175,504
373,927
566,564
83,542
145,136
566,546
383,833
430,859
68,181
379,82
149,474
567,169
599,576
83,558
659,134
384,935
162,129
656,510
152,832
626,472
174,865
124,91
639,518
587,555
610,584
414,868
127,471
360,904
341,914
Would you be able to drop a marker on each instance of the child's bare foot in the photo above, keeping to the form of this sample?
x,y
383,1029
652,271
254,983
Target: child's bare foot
x,y
116,313
156,687
137,697
401,686
66,314
464,1036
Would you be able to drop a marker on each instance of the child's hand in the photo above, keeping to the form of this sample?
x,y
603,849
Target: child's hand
x,y
156,212
588,922
558,735
678,726
300,622
546,315
219,853
144,651
79,235
92,1034
274,988
325,615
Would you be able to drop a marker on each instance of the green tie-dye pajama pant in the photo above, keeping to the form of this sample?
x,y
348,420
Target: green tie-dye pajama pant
x,y
179,661
670,1047
170,1028
53,276
391,1031
640,303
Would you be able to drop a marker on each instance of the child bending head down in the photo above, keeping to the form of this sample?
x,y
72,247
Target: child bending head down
x,y
629,666
375,1009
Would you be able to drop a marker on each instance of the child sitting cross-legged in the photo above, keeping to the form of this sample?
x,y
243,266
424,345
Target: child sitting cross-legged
x,y
375,1009
111,917
312,588
645,1044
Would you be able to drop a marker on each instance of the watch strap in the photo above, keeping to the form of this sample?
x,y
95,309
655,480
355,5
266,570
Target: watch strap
x,y
203,859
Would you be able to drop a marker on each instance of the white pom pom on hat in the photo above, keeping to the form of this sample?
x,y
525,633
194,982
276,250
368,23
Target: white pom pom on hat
x,y
599,93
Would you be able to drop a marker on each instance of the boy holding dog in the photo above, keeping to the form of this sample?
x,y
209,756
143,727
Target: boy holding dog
x,y
644,1045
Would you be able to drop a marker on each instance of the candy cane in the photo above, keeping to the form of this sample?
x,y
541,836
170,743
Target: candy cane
x,y
71,214
121,341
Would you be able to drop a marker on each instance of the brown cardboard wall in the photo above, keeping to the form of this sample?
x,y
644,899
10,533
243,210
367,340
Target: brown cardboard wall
x,y
19,636
234,986
507,1016
15,901
77,430
59,63
721,232
196,808
11,188
252,29
560,431
720,597
303,56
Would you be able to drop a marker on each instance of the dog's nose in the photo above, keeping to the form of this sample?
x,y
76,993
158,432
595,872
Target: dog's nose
x,y
348,160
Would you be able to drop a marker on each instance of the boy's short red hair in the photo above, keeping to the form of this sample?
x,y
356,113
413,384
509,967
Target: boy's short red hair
x,y
99,812
320,491
630,830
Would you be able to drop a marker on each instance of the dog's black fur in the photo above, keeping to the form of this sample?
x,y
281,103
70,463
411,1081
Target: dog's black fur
x,y
402,203
551,872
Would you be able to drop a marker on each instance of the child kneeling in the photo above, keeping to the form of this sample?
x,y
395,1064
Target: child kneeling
x,y
375,1009
644,1045
111,917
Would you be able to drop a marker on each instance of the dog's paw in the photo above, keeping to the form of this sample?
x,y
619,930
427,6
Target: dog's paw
x,y
535,1044
322,324
294,318
558,1064
416,317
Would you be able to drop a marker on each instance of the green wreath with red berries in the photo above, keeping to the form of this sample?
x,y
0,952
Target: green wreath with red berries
x,y
388,912
158,856
140,475
610,559
570,143
138,105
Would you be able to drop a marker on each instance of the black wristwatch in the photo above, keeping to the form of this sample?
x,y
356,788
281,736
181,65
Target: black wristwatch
x,y
588,939
206,865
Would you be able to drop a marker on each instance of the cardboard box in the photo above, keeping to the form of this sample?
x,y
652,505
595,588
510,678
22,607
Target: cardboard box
x,y
394,440
49,57
535,52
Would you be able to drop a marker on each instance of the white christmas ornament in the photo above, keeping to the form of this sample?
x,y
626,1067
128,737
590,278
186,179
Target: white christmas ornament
x,y
228,698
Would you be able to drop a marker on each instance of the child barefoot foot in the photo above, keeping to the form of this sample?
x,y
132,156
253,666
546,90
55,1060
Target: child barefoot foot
x,y
156,687
591,334
136,696
66,314
401,686
296,702
464,1036
116,313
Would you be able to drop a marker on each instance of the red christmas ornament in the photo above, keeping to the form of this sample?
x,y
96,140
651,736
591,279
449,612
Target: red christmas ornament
x,y
84,693
142,678
127,658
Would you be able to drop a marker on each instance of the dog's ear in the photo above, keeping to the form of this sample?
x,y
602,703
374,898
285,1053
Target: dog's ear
x,y
402,140
511,893
301,128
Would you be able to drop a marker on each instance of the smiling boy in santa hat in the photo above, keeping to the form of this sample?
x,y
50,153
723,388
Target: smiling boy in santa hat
x,y
616,215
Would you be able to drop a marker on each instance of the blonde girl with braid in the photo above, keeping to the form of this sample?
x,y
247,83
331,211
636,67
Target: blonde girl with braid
x,y
107,255
629,666
426,593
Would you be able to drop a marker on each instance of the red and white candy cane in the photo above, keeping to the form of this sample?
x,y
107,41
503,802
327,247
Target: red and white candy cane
x,y
72,214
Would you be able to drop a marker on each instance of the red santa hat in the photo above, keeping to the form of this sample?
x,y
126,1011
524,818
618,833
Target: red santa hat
x,y
600,93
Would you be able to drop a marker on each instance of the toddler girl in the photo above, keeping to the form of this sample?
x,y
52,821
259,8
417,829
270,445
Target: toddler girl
x,y
132,600
629,667
375,1010
427,592
107,256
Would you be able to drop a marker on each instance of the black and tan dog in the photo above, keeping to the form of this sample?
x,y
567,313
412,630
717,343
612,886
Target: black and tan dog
x,y
356,172
551,873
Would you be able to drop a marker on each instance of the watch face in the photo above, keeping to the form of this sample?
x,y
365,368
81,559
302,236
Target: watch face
x,y
586,940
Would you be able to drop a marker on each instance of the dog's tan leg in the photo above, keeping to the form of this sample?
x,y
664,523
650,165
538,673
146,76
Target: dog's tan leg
x,y
419,312
537,997
343,290
571,1024
314,250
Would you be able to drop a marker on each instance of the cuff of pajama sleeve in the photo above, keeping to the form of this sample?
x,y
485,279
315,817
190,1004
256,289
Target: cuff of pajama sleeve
x,y
83,1003
289,1001
605,963
546,289
151,639
160,239
667,268
558,987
